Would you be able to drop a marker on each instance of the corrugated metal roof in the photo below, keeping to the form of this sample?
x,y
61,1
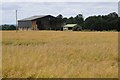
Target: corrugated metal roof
x,y
70,25
33,17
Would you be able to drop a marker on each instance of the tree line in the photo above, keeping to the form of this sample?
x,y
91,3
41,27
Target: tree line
x,y
7,27
93,23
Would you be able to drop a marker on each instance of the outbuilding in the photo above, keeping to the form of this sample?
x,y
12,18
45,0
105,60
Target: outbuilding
x,y
69,26
73,27
42,22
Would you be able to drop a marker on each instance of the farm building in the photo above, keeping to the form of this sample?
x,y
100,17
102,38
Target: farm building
x,y
46,22
73,27
69,26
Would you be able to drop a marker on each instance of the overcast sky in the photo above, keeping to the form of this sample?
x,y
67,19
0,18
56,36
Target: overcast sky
x,y
60,0
67,9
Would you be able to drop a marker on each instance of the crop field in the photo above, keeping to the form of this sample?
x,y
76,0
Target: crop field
x,y
59,54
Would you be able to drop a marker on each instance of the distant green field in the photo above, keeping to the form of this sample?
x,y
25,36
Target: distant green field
x,y
55,54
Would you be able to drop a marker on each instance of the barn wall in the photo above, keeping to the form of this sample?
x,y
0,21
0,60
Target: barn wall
x,y
45,23
49,23
24,24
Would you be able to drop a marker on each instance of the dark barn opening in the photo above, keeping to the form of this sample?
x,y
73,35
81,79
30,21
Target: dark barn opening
x,y
40,26
69,28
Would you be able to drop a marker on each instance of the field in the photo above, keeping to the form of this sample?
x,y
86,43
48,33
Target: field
x,y
54,54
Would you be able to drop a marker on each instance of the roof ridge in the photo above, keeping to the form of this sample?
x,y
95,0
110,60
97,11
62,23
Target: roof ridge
x,y
33,17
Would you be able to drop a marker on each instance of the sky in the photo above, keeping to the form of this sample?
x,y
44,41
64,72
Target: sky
x,y
67,9
60,0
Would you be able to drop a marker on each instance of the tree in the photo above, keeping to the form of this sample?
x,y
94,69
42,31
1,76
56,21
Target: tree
x,y
114,14
60,16
71,20
100,23
118,24
8,27
79,19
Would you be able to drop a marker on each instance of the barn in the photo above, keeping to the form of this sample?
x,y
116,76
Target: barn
x,y
42,22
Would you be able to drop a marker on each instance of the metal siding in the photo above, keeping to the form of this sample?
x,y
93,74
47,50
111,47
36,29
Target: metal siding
x,y
24,24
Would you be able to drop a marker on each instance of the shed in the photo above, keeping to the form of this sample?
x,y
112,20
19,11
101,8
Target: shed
x,y
69,26
41,22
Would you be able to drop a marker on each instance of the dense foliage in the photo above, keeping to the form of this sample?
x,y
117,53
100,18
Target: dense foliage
x,y
104,22
7,27
97,23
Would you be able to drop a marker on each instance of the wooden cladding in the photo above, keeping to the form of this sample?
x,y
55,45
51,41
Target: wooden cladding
x,y
34,25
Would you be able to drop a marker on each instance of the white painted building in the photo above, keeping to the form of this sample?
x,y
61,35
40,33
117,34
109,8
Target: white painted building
x,y
69,26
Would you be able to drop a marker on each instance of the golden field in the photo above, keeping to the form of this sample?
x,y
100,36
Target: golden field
x,y
59,54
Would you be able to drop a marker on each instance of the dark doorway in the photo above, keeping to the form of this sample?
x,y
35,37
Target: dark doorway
x,y
69,28
40,25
